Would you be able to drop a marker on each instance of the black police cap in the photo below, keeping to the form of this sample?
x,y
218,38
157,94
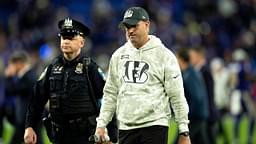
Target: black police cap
x,y
69,26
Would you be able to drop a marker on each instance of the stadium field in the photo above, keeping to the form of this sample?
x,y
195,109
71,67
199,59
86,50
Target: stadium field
x,y
8,129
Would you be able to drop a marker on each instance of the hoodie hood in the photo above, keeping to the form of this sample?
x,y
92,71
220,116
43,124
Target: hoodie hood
x,y
153,42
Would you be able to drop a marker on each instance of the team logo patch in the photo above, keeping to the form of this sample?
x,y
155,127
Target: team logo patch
x,y
128,14
136,72
124,56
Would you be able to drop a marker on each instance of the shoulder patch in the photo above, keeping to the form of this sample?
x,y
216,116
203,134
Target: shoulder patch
x,y
42,74
100,71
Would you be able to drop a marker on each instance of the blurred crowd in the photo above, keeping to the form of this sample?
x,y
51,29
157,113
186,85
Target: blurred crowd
x,y
226,29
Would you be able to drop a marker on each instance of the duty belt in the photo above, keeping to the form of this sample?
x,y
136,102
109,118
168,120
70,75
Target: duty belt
x,y
73,127
64,119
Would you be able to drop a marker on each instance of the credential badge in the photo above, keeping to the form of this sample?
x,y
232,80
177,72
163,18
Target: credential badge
x,y
68,23
128,14
79,68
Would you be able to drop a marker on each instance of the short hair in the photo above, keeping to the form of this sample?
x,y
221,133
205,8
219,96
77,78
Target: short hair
x,y
19,56
183,53
199,49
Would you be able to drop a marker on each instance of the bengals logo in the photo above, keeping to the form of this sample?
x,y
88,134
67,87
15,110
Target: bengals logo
x,y
136,72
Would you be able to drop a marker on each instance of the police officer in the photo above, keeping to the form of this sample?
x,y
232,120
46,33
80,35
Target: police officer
x,y
72,84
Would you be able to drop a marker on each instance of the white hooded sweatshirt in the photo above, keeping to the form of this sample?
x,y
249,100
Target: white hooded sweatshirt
x,y
142,85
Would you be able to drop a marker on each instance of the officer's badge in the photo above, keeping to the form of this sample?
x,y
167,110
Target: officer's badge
x,y
79,68
68,23
57,69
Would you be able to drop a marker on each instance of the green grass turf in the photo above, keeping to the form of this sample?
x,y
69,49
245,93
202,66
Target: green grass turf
x,y
8,130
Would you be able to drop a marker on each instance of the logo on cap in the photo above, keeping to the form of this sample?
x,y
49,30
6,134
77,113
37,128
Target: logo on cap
x,y
68,23
128,14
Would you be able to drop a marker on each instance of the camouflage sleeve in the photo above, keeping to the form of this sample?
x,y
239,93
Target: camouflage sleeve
x,y
110,97
175,90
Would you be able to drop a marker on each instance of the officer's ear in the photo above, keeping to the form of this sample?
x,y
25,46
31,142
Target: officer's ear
x,y
82,42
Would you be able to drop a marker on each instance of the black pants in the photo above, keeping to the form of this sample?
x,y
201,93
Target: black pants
x,y
212,129
20,118
147,135
71,136
198,132
75,131
71,140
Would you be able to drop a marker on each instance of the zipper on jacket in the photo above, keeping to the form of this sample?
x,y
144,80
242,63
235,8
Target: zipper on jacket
x,y
65,84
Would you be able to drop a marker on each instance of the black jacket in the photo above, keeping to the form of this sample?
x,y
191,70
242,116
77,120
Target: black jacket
x,y
66,80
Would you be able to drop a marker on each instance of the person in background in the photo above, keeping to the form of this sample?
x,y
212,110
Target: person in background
x,y
19,81
72,83
2,98
253,120
144,81
200,63
241,96
195,93
222,89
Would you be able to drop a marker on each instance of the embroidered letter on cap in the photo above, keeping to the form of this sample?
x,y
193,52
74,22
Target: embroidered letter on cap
x,y
128,14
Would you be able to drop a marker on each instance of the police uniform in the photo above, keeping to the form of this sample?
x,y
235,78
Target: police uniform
x,y
72,88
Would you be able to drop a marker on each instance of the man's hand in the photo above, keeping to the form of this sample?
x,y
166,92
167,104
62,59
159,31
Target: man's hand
x,y
11,70
184,140
30,136
103,134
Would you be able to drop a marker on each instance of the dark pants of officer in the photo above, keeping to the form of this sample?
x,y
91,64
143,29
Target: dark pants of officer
x,y
72,131
65,139
147,135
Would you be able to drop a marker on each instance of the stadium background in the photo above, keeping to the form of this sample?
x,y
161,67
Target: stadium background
x,y
221,26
